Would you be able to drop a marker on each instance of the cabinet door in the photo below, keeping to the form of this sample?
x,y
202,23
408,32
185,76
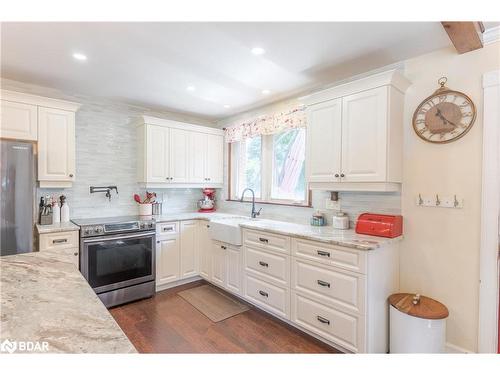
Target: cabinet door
x,y
197,157
219,263
157,154
324,141
188,253
364,136
179,165
56,145
205,251
18,121
215,159
233,271
167,260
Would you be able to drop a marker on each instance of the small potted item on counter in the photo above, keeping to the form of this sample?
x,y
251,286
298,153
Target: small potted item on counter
x,y
318,220
146,205
340,220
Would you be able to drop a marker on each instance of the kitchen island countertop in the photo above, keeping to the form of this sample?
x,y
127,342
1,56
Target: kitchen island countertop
x,y
45,299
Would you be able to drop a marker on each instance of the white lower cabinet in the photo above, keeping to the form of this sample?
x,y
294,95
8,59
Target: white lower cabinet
x,y
167,260
176,251
205,250
218,264
234,268
65,243
227,266
346,330
270,297
189,250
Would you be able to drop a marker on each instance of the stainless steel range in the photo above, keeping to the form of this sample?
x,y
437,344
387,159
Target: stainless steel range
x,y
117,257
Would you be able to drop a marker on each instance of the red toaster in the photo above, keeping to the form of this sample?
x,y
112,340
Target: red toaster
x,y
380,225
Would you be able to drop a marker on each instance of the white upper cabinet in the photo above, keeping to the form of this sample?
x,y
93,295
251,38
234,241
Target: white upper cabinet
x,y
175,154
18,121
364,136
197,165
214,160
56,145
49,121
355,135
157,154
325,128
179,155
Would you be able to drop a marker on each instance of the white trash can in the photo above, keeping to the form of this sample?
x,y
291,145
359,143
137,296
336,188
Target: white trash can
x,y
417,324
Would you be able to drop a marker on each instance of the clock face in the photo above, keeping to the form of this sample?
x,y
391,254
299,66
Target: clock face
x,y
444,117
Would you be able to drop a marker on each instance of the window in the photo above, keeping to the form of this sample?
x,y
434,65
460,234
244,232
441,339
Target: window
x,y
272,165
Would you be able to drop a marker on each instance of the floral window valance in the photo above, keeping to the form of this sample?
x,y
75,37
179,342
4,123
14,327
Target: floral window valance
x,y
267,124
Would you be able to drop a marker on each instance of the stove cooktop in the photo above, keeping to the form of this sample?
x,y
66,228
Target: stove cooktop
x,y
112,225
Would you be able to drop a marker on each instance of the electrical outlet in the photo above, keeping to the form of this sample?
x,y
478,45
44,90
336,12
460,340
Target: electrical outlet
x,y
332,205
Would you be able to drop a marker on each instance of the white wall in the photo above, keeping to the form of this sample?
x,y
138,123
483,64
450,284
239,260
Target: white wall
x,y
440,250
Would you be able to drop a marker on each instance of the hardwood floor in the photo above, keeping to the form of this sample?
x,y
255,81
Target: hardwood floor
x,y
167,323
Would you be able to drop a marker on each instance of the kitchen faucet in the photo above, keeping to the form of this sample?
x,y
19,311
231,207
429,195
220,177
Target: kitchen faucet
x,y
254,213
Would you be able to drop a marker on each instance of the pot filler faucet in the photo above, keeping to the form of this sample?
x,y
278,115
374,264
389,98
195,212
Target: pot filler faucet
x,y
254,213
102,189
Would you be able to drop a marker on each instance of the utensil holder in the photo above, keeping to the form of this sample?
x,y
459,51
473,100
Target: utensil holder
x,y
157,208
145,209
46,219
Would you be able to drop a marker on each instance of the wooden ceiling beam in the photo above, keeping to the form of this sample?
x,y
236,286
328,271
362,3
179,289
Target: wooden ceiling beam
x,y
465,36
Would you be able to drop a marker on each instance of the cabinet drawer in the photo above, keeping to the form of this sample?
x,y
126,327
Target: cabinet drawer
x,y
59,240
333,286
343,329
350,259
268,296
274,266
167,228
268,241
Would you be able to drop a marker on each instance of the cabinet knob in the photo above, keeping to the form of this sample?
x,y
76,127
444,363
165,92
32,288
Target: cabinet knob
x,y
71,175
75,254
342,175
336,175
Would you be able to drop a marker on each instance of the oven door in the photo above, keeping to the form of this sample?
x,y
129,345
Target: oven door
x,y
113,262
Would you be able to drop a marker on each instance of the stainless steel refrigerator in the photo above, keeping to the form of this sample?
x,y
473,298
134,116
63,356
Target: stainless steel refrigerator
x,y
17,196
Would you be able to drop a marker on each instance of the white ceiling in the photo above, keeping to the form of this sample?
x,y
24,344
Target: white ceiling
x,y
151,64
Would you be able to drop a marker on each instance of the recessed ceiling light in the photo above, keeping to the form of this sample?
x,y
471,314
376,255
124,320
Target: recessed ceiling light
x,y
258,51
266,92
190,88
227,106
79,56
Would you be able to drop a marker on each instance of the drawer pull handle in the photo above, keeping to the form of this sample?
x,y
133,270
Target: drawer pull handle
x,y
323,320
223,247
264,294
323,283
265,240
61,240
168,229
263,264
323,253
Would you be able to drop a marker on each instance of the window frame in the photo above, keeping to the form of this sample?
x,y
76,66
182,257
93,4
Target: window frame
x,y
267,177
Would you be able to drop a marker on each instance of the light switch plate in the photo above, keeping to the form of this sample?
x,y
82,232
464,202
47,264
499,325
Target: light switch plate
x,y
332,205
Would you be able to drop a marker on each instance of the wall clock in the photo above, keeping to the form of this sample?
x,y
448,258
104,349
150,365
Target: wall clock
x,y
445,116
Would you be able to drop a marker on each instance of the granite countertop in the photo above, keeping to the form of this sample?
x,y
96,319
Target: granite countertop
x,y
45,299
58,227
326,234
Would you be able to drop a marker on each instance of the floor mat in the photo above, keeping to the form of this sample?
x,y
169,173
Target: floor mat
x,y
212,303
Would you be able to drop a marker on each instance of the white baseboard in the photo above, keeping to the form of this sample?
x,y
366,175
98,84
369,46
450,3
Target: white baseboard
x,y
177,283
455,349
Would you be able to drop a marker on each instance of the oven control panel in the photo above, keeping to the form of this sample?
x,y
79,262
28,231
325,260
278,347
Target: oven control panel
x,y
115,228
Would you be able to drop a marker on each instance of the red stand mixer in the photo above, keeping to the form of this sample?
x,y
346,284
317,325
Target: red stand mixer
x,y
207,204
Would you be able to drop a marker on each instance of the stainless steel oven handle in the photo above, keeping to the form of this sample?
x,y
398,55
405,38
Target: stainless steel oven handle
x,y
122,237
